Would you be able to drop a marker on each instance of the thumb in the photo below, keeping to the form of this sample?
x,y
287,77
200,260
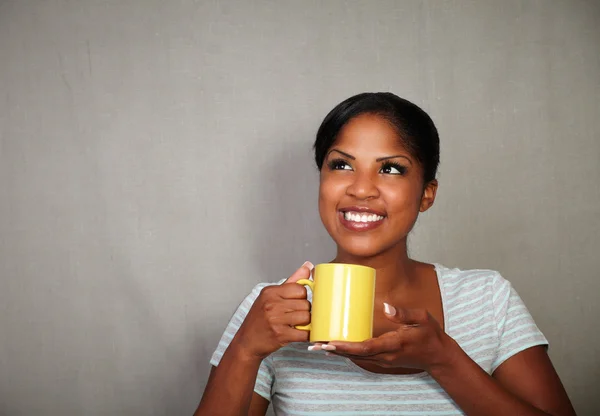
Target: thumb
x,y
409,317
302,273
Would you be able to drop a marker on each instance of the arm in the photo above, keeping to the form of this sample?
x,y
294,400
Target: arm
x,y
525,384
230,387
268,326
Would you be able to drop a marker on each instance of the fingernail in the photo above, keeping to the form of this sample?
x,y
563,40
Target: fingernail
x,y
328,347
314,348
328,354
389,309
309,265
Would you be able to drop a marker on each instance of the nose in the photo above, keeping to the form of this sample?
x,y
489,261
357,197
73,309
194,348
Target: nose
x,y
363,187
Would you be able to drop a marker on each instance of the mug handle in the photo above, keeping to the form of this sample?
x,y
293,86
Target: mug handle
x,y
311,284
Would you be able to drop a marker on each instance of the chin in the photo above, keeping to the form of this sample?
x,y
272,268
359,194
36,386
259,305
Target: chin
x,y
364,249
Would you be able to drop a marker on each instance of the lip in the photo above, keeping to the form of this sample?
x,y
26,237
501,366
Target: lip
x,y
360,226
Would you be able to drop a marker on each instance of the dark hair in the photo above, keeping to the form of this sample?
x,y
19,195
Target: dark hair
x,y
415,128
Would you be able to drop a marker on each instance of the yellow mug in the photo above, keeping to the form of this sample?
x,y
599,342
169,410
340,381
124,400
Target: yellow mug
x,y
342,304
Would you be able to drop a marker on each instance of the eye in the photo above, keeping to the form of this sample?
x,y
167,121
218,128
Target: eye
x,y
339,164
391,168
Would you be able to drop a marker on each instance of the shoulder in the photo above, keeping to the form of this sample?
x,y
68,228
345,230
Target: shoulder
x,y
458,280
486,316
470,292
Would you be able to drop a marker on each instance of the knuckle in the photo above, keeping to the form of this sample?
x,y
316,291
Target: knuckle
x,y
399,344
277,331
268,306
422,315
366,349
267,291
395,343
388,358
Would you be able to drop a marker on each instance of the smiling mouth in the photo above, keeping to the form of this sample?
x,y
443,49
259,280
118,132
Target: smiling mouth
x,y
362,216
360,221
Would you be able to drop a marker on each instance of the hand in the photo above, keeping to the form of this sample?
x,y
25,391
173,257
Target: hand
x,y
270,322
419,343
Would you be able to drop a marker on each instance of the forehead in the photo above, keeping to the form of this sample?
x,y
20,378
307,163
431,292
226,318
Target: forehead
x,y
369,133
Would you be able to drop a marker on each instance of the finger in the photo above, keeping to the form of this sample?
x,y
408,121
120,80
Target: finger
x,y
290,319
379,360
371,347
357,358
291,291
291,305
277,293
412,317
302,273
296,318
296,335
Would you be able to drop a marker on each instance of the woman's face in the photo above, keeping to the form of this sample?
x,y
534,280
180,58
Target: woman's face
x,y
371,188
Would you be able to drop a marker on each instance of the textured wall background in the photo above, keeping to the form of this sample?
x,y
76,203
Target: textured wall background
x,y
155,164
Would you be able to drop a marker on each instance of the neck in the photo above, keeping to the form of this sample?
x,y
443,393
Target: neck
x,y
395,270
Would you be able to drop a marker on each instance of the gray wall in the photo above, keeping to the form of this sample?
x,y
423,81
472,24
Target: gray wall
x,y
155,164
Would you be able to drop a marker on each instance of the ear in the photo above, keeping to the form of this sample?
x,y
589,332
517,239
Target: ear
x,y
428,197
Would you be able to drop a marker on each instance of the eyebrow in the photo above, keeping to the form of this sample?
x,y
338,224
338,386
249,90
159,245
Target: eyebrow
x,y
379,159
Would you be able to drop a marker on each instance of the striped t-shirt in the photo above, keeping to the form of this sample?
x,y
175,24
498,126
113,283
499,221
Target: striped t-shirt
x,y
482,312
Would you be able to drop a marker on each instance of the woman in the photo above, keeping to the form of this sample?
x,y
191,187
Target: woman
x,y
446,341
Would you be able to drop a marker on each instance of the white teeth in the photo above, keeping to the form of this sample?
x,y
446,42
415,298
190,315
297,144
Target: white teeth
x,y
356,217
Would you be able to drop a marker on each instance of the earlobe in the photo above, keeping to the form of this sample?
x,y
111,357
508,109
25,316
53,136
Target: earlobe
x,y
428,197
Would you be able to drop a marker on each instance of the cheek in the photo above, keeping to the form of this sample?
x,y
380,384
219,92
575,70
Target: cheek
x,y
330,189
330,193
403,197
325,198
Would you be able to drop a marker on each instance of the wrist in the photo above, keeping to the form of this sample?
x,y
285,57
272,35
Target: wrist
x,y
242,353
448,359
